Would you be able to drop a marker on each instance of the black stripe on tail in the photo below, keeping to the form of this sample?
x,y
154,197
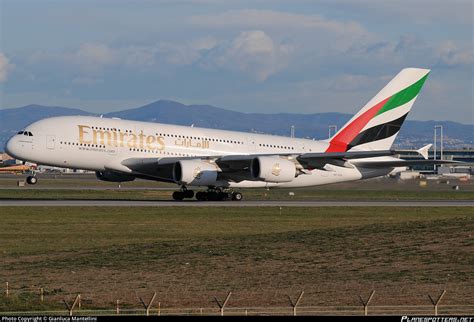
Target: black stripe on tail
x,y
378,132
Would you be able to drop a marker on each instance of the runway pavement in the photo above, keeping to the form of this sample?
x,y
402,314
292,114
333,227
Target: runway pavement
x,y
243,203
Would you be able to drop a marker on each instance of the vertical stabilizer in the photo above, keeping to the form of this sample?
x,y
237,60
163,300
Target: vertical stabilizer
x,y
377,124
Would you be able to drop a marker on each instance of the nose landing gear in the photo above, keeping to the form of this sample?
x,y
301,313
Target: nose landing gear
x,y
32,179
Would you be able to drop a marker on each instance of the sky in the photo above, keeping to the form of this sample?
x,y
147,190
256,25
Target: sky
x,y
266,56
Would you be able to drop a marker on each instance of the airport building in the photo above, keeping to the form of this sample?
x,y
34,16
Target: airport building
x,y
462,155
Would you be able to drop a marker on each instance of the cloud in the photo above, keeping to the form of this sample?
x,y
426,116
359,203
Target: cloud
x,y
88,81
252,52
259,44
204,43
302,43
93,58
329,55
88,58
409,50
5,67
424,11
275,20
451,55
355,82
305,30
93,54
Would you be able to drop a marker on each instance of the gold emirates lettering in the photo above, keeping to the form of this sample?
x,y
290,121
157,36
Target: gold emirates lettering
x,y
120,139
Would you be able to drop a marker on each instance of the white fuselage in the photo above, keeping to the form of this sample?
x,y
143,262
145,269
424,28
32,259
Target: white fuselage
x,y
97,144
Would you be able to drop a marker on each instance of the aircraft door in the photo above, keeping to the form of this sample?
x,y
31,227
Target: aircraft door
x,y
50,141
301,147
251,144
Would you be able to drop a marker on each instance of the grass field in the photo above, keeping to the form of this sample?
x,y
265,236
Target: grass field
x,y
190,255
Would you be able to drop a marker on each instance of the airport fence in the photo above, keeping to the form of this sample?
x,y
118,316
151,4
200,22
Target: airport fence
x,y
447,310
78,307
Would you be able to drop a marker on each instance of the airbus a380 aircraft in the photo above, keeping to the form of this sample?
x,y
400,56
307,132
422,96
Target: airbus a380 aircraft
x,y
121,150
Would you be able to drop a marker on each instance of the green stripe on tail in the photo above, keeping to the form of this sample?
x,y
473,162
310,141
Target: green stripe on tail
x,y
404,96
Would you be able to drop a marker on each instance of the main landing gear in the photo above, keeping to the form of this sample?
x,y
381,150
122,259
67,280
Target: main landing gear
x,y
212,194
183,193
218,195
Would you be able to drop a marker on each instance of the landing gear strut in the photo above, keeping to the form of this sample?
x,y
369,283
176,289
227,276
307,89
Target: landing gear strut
x,y
218,194
183,193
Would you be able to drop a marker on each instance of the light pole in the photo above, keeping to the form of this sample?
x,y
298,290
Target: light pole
x,y
331,127
292,131
436,128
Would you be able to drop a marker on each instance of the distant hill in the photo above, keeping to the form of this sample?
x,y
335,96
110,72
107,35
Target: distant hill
x,y
307,125
414,133
14,119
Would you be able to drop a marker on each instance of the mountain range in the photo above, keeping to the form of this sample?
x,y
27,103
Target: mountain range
x,y
413,133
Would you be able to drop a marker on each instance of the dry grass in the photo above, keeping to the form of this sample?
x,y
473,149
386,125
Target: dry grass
x,y
190,255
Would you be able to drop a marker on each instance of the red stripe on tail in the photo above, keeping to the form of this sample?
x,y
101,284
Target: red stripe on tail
x,y
339,142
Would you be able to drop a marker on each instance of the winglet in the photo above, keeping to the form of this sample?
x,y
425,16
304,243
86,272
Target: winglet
x,y
424,151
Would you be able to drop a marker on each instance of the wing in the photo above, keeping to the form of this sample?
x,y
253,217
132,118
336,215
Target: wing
x,y
238,167
319,160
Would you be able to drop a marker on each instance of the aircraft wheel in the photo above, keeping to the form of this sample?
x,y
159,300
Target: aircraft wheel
x,y
224,196
178,196
212,196
237,196
201,195
188,193
31,180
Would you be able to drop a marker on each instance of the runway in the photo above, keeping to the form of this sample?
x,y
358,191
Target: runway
x,y
243,203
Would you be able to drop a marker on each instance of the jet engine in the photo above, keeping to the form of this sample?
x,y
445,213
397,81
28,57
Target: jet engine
x,y
194,173
113,176
272,169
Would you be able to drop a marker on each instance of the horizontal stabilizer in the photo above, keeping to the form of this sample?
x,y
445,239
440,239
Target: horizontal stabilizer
x,y
424,151
401,163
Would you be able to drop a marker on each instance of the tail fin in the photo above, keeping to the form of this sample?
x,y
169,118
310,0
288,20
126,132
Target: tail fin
x,y
377,124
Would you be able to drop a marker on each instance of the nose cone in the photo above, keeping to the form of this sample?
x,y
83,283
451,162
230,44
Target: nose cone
x,y
11,147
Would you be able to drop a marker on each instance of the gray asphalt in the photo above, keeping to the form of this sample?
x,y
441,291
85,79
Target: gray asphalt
x,y
243,203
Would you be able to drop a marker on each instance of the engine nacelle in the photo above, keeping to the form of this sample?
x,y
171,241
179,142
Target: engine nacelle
x,y
272,169
194,173
112,176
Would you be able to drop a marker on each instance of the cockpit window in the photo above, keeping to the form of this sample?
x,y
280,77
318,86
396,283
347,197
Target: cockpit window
x,y
27,133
